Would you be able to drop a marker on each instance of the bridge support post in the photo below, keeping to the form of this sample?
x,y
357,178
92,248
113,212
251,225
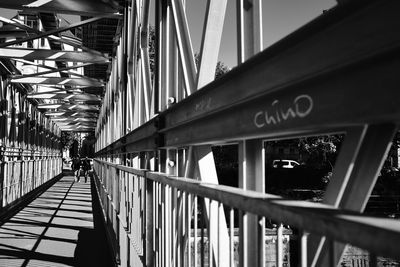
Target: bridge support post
x,y
252,177
354,190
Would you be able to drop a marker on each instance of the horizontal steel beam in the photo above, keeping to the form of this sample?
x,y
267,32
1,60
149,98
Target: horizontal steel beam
x,y
52,55
298,85
65,96
79,113
144,138
59,81
68,107
78,118
56,70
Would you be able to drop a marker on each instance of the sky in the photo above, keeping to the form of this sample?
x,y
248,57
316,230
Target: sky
x,y
280,18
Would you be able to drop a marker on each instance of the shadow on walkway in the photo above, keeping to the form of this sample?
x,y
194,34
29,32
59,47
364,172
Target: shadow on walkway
x,y
91,248
61,227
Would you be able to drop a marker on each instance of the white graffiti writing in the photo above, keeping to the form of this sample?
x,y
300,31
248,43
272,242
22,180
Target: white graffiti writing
x,y
204,104
301,107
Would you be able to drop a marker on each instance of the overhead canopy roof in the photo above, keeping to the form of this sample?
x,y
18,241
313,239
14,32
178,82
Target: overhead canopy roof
x,y
67,65
78,7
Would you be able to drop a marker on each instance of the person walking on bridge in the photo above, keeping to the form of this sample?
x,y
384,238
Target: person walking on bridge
x,y
86,167
76,166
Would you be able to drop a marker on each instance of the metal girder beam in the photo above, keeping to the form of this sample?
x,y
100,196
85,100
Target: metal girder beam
x,y
59,81
51,69
250,40
376,141
67,107
77,119
211,41
58,30
76,123
77,7
72,114
77,126
184,45
288,90
77,129
52,55
55,70
60,39
65,96
144,138
93,90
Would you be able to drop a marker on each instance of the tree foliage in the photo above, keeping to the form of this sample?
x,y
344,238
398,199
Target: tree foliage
x,y
152,50
220,69
320,150
87,149
67,139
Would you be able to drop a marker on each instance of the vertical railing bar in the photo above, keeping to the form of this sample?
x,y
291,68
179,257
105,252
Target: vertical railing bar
x,y
303,249
183,219
195,231
231,236
188,230
219,234
202,233
261,241
179,218
178,214
155,237
279,246
243,239
159,225
170,243
163,226
172,219
210,232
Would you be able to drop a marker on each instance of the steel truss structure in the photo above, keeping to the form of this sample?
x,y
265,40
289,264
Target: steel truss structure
x,y
155,170
30,152
330,76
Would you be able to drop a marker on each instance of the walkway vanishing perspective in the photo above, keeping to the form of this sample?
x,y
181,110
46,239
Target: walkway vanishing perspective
x,y
139,76
62,227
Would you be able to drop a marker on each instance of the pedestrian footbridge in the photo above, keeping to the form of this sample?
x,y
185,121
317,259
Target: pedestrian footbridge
x,y
164,124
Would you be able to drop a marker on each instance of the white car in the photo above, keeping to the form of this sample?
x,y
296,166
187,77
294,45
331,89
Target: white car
x,y
284,163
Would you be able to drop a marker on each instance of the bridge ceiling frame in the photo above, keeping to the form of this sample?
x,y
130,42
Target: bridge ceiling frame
x,y
301,86
337,74
58,60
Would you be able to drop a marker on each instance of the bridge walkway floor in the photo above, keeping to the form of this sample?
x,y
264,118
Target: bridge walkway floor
x,y
61,227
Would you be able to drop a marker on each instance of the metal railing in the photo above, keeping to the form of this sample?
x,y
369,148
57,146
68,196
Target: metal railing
x,y
335,75
22,176
160,220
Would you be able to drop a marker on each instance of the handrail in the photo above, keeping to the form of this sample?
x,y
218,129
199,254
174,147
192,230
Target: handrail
x,y
345,226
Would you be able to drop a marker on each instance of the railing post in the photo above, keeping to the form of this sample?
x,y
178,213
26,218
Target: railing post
x,y
21,178
149,251
2,178
251,177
